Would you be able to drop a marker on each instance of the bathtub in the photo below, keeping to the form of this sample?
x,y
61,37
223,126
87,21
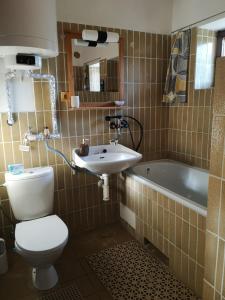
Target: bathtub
x,y
183,183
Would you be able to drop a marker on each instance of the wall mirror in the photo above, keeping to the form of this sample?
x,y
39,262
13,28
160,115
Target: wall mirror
x,y
95,70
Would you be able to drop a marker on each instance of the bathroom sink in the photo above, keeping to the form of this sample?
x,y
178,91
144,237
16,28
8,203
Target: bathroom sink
x,y
107,159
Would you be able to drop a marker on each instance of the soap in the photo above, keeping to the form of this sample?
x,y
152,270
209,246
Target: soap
x,y
16,169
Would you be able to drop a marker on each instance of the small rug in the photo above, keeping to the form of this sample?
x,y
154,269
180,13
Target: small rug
x,y
130,272
69,292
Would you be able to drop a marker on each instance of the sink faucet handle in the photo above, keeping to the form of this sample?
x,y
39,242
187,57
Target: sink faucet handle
x,y
28,132
113,142
85,140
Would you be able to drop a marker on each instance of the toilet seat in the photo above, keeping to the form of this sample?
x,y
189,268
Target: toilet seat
x,y
41,235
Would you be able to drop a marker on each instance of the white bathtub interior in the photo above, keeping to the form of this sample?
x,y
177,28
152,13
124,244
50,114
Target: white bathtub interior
x,y
182,179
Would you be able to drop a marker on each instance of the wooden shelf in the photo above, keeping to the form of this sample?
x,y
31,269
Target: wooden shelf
x,y
97,107
65,97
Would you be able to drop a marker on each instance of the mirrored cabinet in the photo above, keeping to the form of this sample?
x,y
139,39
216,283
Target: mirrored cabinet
x,y
95,69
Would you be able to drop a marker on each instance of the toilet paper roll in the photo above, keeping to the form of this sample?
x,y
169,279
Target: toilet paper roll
x,y
75,101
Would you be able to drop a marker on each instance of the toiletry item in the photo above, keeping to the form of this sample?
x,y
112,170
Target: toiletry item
x,y
119,102
46,132
75,101
84,148
16,169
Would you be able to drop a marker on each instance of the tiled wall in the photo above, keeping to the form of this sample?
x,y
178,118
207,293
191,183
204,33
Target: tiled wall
x,y
110,74
214,279
78,78
174,229
77,199
189,133
145,69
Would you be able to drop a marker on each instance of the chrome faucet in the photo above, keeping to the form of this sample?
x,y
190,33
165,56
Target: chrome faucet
x,y
114,142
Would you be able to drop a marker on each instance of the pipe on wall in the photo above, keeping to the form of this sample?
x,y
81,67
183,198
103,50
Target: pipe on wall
x,y
105,186
8,77
52,89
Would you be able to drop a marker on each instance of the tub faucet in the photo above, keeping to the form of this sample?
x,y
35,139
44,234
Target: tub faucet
x,y
114,142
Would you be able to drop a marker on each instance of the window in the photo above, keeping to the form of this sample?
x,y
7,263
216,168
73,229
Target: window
x,y
220,43
205,59
223,47
94,77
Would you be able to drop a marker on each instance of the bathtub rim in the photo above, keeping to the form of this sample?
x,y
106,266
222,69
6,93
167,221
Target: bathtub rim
x,y
169,160
166,192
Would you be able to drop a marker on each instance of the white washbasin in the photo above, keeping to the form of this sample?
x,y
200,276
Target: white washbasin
x,y
107,159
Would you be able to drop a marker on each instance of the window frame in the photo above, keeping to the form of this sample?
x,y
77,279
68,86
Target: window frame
x,y
220,37
90,68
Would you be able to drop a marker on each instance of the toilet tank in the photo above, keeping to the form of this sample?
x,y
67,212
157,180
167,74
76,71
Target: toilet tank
x,y
31,193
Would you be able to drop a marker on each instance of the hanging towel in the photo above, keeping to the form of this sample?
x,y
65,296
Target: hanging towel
x,y
177,73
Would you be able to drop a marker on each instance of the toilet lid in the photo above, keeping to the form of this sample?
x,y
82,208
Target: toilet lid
x,y
41,234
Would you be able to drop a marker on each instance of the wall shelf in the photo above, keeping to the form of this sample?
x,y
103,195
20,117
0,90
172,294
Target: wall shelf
x,y
97,107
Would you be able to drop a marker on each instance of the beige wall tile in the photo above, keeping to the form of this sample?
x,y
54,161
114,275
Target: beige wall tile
x,y
213,204
178,232
192,273
199,280
193,218
210,257
208,291
201,222
222,212
185,237
186,213
2,160
220,265
9,159
217,144
172,231
201,247
193,242
166,224
184,268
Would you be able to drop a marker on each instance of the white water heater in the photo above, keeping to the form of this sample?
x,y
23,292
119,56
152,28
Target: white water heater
x,y
28,27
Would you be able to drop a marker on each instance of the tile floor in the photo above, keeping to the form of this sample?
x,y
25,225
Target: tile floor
x,y
132,272
72,267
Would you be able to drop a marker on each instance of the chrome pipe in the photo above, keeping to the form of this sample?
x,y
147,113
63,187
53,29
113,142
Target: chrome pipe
x,y
8,77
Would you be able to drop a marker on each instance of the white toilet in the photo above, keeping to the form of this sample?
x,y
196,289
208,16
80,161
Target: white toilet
x,y
40,238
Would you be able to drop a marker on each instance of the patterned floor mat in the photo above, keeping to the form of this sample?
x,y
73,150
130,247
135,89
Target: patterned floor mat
x,y
69,292
130,272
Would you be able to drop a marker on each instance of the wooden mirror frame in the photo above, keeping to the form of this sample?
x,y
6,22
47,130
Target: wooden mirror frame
x,y
66,96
